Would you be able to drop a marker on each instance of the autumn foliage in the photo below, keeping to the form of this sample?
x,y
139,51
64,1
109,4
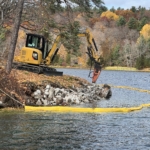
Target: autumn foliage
x,y
145,32
125,13
110,15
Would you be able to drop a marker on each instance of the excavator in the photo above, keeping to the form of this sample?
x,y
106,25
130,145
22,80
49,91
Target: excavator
x,y
37,57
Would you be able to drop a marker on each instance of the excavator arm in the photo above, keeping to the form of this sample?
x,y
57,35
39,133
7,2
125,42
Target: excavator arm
x,y
93,54
53,51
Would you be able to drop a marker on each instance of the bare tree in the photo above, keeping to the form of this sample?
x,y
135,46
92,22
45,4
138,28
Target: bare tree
x,y
7,8
14,36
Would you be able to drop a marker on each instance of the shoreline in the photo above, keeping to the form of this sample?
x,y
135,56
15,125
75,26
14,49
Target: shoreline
x,y
109,68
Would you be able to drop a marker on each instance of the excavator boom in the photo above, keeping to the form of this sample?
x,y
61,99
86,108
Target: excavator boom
x,y
92,51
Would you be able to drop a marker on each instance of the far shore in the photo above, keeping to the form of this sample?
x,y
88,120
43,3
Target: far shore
x,y
115,68
126,69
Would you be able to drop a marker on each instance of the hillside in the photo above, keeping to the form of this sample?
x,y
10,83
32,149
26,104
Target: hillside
x,y
117,45
121,36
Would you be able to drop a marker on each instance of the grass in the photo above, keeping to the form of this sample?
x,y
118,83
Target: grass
x,y
12,110
121,68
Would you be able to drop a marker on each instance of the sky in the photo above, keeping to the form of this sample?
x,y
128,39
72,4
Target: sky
x,y
127,4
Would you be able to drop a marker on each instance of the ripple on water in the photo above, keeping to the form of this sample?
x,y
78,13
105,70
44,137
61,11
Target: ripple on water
x,y
112,131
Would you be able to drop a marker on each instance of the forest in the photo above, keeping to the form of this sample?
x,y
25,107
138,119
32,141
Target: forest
x,y
122,35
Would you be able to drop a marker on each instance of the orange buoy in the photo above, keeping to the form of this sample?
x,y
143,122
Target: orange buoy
x,y
96,72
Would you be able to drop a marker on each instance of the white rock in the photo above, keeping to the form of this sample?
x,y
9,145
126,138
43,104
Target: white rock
x,y
46,92
56,90
86,101
62,90
45,96
77,101
81,103
54,104
35,93
38,102
58,97
45,102
48,86
51,92
54,99
36,96
38,91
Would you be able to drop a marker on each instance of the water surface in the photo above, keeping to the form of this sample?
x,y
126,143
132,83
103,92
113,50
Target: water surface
x,y
75,131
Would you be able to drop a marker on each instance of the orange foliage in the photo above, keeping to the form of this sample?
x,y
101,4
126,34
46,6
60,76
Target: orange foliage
x,y
109,15
125,13
145,31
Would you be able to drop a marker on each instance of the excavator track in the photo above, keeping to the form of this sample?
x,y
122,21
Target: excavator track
x,y
37,69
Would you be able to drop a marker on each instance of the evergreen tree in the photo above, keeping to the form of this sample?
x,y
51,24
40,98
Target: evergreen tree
x,y
132,23
68,58
119,8
112,9
115,55
133,9
121,21
142,22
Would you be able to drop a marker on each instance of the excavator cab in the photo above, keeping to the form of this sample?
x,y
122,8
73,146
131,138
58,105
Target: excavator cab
x,y
40,43
37,42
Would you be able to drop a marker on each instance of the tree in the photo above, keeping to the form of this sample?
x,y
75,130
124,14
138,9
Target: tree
x,y
142,22
14,36
115,55
145,31
110,15
121,21
102,9
119,8
132,23
133,9
125,13
112,9
7,8
68,58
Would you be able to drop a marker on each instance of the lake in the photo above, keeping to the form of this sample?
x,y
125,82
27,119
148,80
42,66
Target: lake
x,y
75,131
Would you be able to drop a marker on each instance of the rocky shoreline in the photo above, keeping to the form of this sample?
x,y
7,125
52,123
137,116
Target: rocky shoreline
x,y
50,96
18,89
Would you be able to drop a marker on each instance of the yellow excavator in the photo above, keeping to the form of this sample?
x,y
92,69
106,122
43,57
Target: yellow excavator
x,y
36,56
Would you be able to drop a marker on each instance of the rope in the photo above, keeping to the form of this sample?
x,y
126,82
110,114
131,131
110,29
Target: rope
x,y
11,97
131,88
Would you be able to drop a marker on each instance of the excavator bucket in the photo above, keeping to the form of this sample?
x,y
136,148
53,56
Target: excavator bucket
x,y
96,72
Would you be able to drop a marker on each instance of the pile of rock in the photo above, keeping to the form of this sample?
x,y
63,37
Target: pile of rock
x,y
50,96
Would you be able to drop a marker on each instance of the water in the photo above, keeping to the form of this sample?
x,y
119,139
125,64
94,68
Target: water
x,y
113,131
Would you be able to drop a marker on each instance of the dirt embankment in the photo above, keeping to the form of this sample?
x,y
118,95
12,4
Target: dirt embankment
x,y
15,87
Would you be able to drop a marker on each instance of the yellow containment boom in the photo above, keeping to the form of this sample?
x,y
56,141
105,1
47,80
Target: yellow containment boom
x,y
66,109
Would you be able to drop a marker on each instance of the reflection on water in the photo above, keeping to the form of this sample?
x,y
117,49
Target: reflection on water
x,y
114,131
75,131
133,79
